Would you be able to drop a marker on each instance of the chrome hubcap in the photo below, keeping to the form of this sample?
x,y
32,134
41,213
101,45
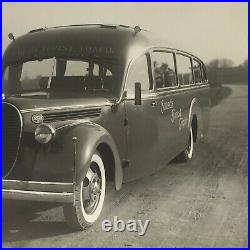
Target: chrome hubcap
x,y
92,188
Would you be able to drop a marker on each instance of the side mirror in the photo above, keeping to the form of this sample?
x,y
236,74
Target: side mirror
x,y
137,93
116,102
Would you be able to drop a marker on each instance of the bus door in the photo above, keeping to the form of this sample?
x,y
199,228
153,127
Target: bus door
x,y
141,128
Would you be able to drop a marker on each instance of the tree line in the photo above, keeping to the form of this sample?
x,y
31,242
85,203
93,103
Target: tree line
x,y
223,71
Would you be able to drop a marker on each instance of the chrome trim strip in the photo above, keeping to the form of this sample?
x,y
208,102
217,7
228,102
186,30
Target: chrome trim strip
x,y
174,50
37,186
184,88
62,108
73,124
20,136
168,91
37,196
38,182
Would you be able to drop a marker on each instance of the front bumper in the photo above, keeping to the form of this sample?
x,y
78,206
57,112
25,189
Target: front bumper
x,y
38,191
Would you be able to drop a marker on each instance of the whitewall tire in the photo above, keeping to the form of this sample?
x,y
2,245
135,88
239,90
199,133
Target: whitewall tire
x,y
188,153
89,196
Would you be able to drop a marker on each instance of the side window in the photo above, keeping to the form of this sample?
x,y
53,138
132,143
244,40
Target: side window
x,y
184,70
164,69
138,73
197,72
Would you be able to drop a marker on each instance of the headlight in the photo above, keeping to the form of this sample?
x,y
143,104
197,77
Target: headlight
x,y
44,133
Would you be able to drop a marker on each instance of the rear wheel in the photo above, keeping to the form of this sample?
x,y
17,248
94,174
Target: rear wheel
x,y
89,197
187,154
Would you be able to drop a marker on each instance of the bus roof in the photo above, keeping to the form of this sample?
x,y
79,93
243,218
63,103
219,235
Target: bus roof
x,y
109,42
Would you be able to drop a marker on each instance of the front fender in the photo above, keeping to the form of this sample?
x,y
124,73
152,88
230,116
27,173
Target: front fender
x,y
86,137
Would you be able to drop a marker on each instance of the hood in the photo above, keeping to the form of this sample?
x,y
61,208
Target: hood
x,y
59,112
36,104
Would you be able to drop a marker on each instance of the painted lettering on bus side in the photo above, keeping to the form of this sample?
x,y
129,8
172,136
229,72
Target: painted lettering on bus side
x,y
166,105
176,114
182,123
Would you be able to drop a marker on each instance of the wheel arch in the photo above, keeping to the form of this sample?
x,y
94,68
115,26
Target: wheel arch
x,y
107,156
88,138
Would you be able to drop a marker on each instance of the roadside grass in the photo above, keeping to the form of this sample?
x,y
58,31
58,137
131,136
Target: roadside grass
x,y
219,93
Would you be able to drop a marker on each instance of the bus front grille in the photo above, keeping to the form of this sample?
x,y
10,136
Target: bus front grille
x,y
11,136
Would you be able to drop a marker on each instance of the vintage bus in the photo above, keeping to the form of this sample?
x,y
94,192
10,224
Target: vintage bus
x,y
84,105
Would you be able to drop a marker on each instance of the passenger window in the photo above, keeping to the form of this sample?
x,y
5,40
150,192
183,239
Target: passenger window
x,y
164,69
197,72
184,69
138,73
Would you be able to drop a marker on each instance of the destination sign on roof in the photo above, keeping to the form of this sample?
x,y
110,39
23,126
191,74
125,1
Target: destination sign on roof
x,y
25,53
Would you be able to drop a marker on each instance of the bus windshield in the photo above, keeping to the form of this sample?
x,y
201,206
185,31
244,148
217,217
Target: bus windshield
x,y
62,77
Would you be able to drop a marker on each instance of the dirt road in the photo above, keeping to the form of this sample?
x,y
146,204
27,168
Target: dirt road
x,y
199,204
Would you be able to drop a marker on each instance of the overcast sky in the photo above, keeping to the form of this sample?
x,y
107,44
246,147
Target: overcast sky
x,y
210,30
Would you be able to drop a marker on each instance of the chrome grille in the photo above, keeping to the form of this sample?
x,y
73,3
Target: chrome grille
x,y
11,135
68,115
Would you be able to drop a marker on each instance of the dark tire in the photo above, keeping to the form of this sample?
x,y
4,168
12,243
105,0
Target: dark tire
x,y
89,197
188,153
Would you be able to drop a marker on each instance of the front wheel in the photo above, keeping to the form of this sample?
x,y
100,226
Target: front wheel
x,y
187,154
89,196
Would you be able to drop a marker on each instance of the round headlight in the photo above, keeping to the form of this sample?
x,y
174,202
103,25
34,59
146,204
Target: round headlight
x,y
44,133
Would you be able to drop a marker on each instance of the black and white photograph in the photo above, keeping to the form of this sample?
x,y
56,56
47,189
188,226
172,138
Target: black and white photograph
x,y
124,124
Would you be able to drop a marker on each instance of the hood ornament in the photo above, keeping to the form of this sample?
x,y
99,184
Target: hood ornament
x,y
37,118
